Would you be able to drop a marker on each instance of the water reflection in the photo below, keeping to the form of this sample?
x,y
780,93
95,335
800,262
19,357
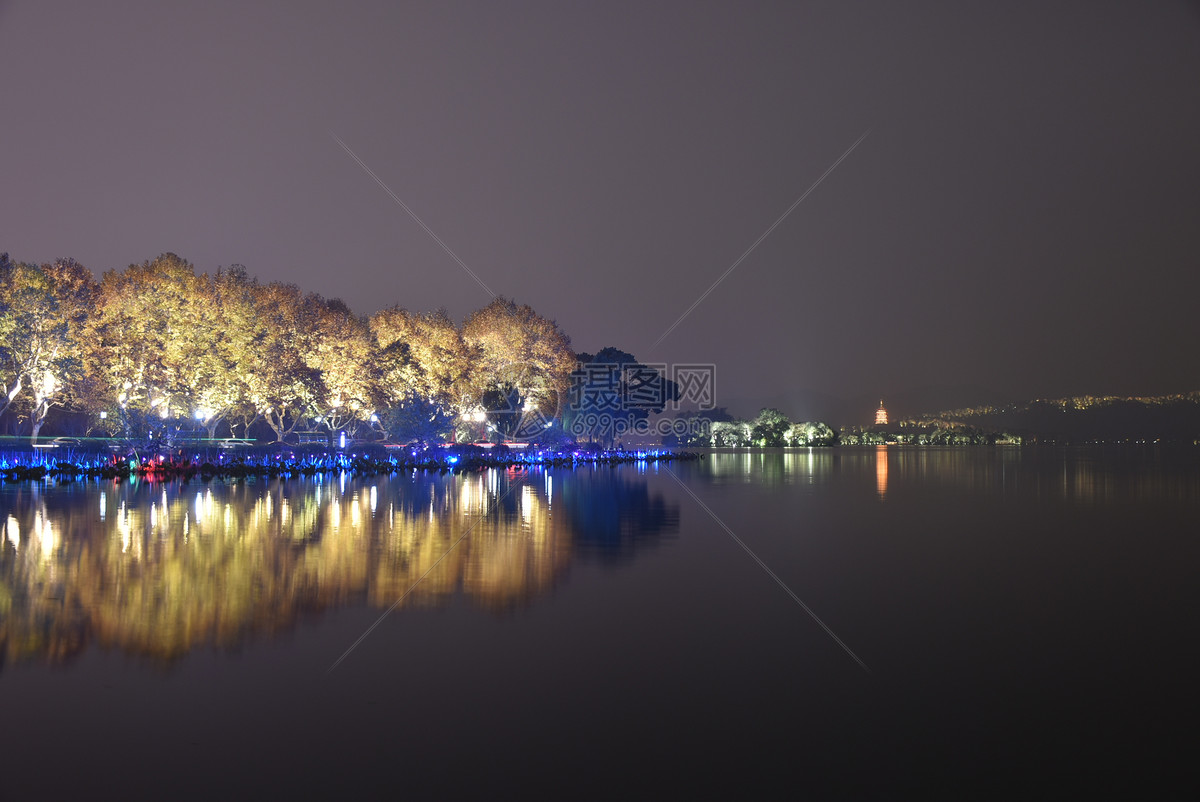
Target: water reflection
x,y
1085,475
612,513
159,569
881,465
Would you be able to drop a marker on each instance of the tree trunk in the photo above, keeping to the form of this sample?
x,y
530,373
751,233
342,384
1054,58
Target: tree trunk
x,y
9,396
38,417
211,426
276,422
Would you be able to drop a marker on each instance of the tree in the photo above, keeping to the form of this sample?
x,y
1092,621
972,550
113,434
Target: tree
x,y
418,419
612,392
524,364
769,428
342,350
731,434
281,384
43,309
153,338
424,356
221,378
10,379
811,433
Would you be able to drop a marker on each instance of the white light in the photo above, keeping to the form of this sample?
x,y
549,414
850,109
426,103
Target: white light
x,y
342,440
12,531
526,504
103,414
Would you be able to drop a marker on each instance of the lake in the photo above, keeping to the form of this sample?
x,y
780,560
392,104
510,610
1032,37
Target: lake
x,y
979,622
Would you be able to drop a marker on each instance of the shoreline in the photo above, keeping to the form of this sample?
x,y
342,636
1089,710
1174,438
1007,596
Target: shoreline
x,y
35,466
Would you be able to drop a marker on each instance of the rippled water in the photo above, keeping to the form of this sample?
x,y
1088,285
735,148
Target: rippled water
x,y
1026,618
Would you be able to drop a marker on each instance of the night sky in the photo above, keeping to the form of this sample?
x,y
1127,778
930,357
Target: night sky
x,y
1022,219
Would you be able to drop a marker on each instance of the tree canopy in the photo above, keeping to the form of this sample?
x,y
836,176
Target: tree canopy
x,y
158,346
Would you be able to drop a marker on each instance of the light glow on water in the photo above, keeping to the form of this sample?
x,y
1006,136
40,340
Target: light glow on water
x,y
12,531
221,549
881,471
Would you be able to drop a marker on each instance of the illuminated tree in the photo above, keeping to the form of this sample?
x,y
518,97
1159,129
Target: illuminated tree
x,y
424,356
341,350
731,434
425,373
811,433
524,362
281,384
153,338
769,428
10,379
43,310
219,380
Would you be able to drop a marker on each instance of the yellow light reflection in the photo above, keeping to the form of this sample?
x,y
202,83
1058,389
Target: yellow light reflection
x,y
43,532
140,584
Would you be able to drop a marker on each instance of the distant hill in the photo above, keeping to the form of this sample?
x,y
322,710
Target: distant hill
x,y
1171,418
914,401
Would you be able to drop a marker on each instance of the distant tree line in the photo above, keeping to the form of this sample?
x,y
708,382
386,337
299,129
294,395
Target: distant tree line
x,y
943,434
158,346
771,428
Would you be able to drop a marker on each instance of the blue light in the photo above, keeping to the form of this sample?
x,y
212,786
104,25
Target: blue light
x,y
452,460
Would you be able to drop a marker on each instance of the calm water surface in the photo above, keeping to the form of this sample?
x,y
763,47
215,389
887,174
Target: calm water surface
x,y
1028,618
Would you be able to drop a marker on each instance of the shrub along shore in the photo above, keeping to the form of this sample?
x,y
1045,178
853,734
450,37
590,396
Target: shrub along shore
x,y
16,466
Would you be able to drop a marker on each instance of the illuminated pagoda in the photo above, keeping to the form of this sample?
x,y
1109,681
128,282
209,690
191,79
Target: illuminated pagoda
x,y
881,415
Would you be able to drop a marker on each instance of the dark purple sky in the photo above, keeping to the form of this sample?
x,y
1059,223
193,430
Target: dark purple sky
x,y
1023,217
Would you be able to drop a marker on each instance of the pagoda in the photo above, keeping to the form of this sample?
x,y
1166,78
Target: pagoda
x,y
881,415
